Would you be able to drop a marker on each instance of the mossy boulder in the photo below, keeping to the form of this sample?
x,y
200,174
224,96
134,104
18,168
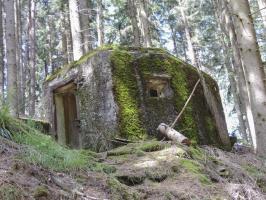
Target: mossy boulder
x,y
125,92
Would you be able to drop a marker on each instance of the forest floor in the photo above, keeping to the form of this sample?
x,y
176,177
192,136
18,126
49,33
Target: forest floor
x,y
147,170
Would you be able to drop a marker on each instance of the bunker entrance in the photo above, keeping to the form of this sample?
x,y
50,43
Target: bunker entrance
x,y
66,115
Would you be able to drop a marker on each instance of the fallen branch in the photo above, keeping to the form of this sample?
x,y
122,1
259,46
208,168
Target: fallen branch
x,y
184,107
172,134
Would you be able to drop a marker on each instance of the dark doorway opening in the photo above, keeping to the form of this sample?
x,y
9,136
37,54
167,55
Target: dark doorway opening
x,y
66,112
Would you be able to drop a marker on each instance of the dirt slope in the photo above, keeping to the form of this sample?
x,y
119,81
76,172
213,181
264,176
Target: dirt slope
x,y
22,181
150,170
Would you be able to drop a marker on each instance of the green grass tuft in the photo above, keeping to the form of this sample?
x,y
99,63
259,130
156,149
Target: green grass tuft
x,y
196,153
10,192
40,149
195,168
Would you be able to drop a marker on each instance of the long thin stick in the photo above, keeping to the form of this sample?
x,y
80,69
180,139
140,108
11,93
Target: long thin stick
x,y
183,109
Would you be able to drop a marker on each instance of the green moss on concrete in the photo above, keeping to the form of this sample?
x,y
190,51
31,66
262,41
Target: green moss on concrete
x,y
62,71
126,93
162,63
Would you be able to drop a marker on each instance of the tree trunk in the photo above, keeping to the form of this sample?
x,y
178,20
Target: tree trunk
x,y
63,33
32,61
50,40
240,74
251,59
173,36
2,63
262,7
19,56
144,22
75,29
190,49
231,65
132,12
11,57
215,108
99,21
85,24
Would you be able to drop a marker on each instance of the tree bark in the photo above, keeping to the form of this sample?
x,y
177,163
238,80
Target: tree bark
x,y
19,56
85,24
239,69
99,21
132,12
2,63
215,108
190,49
11,57
64,41
173,36
262,7
69,38
32,58
49,28
75,29
254,73
144,22
231,64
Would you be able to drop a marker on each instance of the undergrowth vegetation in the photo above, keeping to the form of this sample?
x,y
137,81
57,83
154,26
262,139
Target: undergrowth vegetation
x,y
40,149
10,192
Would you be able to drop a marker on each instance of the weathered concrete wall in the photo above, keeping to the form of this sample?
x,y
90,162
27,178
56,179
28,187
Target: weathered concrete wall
x,y
98,110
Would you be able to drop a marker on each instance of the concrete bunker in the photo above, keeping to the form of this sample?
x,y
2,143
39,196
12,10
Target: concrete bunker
x,y
127,93
66,118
